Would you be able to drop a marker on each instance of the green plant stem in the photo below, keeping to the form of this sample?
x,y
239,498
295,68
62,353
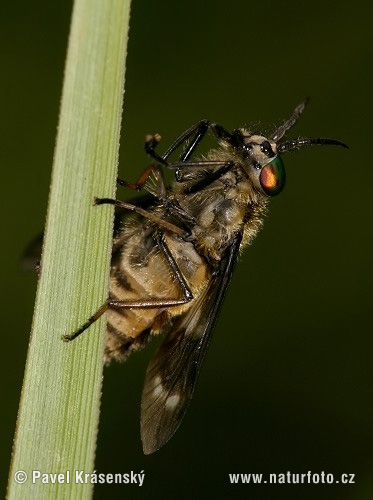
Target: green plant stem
x,y
59,408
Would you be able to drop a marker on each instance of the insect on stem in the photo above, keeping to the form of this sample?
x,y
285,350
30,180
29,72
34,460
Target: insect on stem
x,y
174,256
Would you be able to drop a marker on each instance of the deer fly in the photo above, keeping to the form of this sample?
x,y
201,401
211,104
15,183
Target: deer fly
x,y
173,256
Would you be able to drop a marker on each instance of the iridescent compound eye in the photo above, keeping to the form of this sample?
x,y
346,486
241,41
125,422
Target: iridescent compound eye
x,y
272,177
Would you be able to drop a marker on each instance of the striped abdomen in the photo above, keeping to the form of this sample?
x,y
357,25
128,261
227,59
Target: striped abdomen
x,y
140,271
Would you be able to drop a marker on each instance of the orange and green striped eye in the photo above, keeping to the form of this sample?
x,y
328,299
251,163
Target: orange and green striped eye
x,y
272,177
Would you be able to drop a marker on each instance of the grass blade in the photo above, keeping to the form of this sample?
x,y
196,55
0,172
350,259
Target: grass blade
x,y
59,408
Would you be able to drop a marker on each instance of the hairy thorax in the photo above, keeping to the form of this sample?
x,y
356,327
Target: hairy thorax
x,y
221,210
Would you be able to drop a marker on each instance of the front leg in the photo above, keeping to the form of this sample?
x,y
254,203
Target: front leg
x,y
157,188
198,130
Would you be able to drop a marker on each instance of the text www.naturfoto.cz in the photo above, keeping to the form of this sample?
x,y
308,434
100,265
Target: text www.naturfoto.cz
x,y
292,478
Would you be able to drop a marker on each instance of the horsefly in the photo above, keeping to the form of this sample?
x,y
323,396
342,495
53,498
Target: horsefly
x,y
174,254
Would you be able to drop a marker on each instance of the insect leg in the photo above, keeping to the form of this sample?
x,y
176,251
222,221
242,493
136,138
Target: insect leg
x,y
175,268
87,324
205,181
150,303
158,303
193,165
148,215
151,142
139,184
221,132
156,187
129,304
199,129
209,178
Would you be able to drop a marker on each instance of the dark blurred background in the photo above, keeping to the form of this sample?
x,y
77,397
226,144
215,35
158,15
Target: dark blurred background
x,y
287,383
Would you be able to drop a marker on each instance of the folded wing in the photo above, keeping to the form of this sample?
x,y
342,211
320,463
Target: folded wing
x,y
172,373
